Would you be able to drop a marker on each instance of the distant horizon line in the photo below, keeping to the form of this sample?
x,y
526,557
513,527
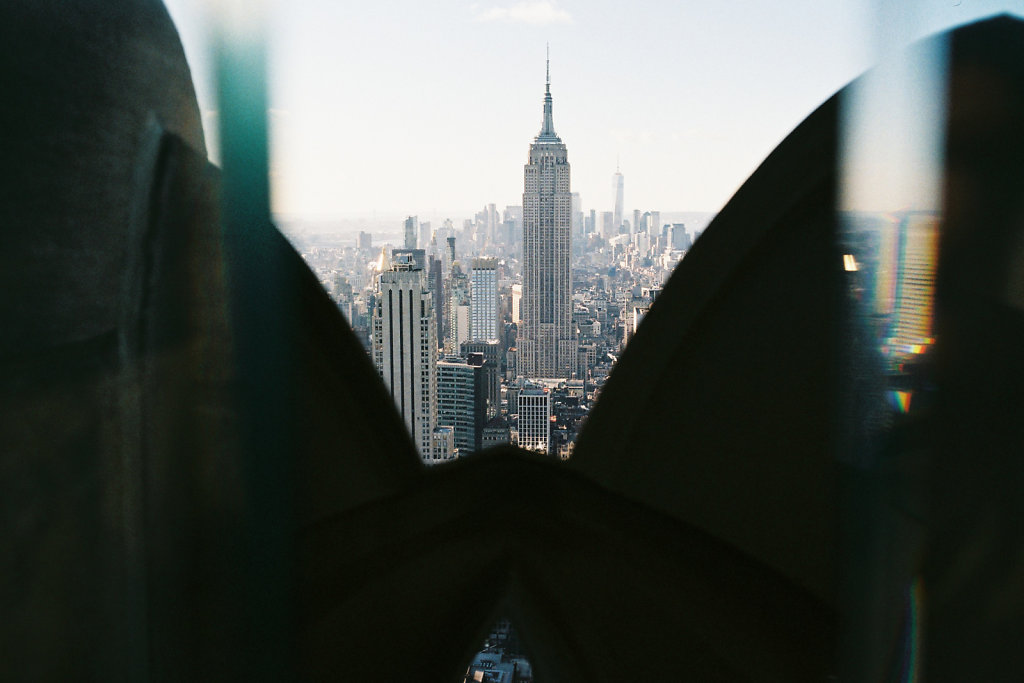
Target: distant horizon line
x,y
433,214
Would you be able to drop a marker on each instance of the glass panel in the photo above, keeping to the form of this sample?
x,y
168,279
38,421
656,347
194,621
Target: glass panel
x,y
890,218
915,507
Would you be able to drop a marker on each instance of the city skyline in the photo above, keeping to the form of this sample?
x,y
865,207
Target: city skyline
x,y
366,100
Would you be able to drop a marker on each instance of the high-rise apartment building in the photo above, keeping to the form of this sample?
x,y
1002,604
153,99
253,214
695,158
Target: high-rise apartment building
x,y
483,299
534,419
546,344
405,348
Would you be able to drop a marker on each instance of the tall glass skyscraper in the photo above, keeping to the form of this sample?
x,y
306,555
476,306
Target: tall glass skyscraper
x,y
547,346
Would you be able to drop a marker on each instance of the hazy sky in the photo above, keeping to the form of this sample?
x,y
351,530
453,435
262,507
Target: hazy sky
x,y
419,107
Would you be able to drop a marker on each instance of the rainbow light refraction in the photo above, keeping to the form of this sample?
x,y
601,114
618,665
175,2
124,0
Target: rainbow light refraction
x,y
915,619
901,400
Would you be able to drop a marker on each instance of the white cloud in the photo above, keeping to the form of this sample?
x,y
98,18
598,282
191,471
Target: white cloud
x,y
527,12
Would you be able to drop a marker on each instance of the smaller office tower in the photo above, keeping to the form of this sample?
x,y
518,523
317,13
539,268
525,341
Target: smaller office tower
x,y
491,353
535,419
405,348
680,238
443,446
655,224
608,227
496,432
411,228
461,400
483,293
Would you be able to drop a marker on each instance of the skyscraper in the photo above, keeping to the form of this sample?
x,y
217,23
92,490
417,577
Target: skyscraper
x,y
411,226
458,309
436,286
461,400
491,351
483,299
608,227
405,348
546,344
617,183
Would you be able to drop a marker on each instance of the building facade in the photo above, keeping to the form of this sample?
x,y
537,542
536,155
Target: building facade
x,y
459,310
491,352
534,407
461,401
443,446
483,302
496,432
405,349
547,347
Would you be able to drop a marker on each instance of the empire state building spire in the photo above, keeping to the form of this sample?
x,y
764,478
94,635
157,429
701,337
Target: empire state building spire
x,y
547,129
547,341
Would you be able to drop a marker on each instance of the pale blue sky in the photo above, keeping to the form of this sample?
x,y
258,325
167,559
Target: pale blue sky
x,y
416,107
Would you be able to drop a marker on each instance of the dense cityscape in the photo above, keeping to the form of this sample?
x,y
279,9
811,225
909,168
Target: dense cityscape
x,y
503,327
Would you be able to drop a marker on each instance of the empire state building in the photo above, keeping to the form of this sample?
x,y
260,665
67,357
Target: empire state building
x,y
547,346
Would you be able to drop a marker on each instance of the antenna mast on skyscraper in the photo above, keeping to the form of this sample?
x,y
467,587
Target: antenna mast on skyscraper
x,y
547,46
